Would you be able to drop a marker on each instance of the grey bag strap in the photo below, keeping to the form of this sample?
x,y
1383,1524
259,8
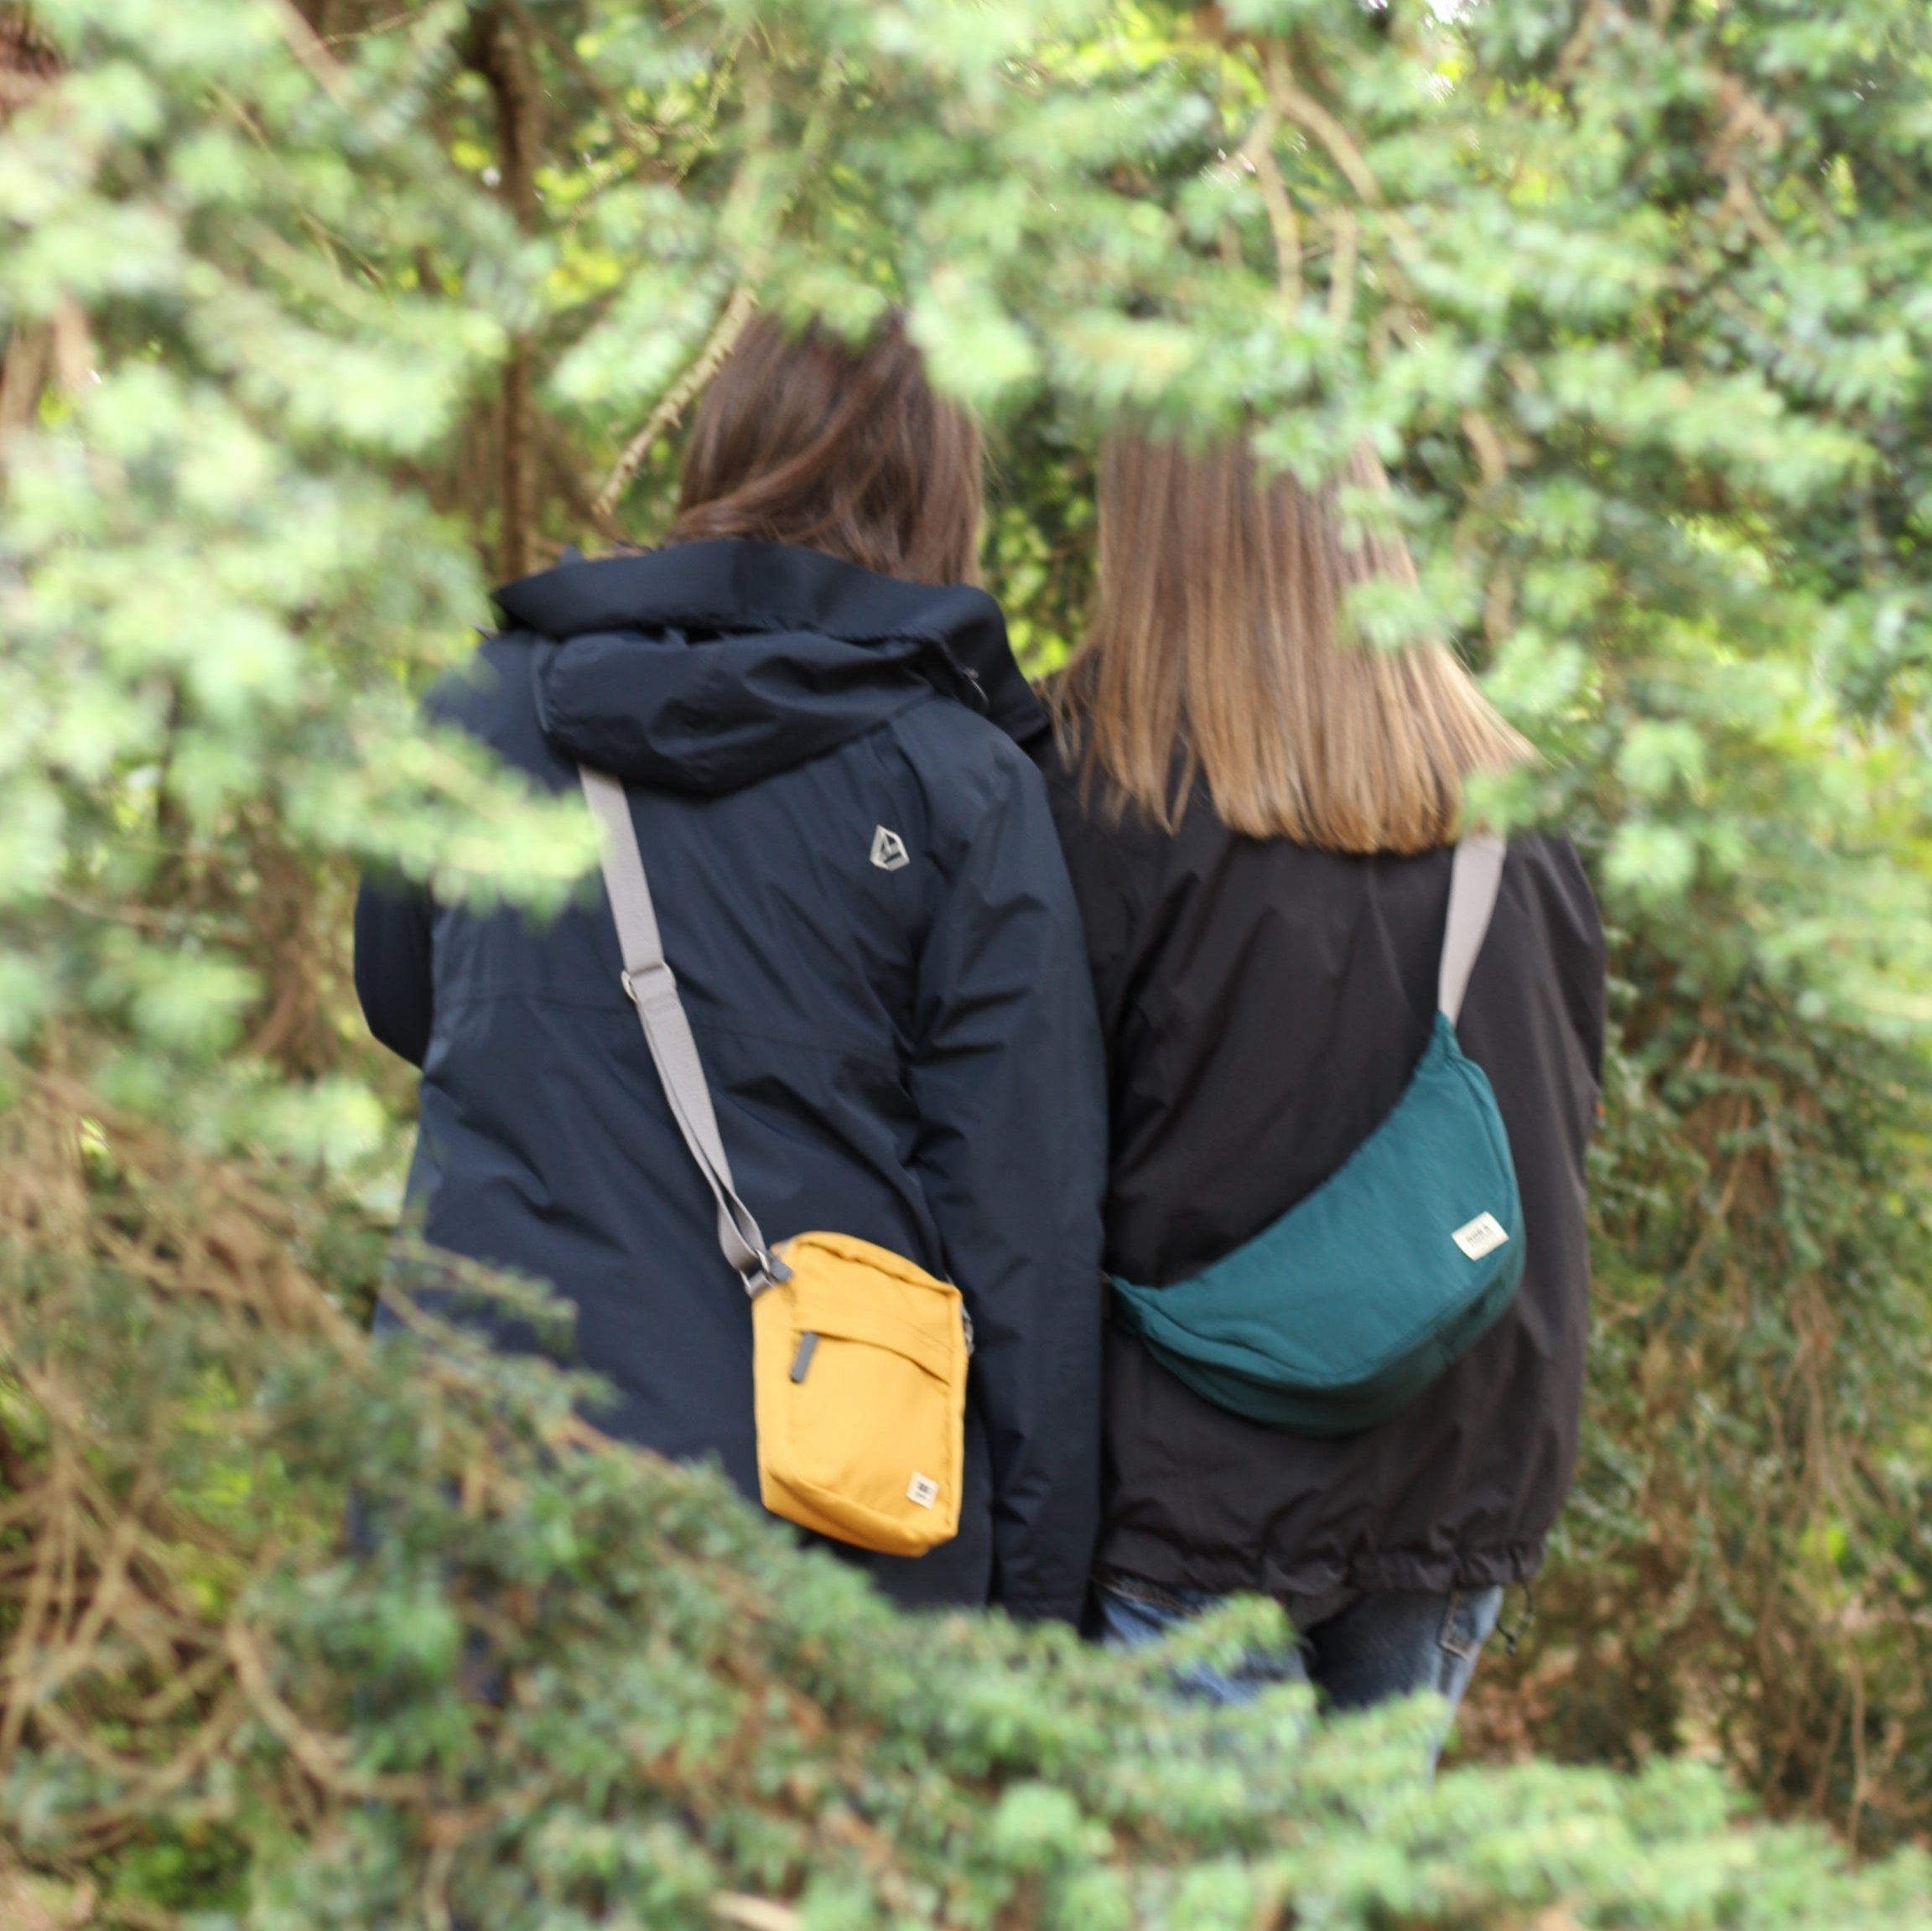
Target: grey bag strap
x,y
649,985
1473,879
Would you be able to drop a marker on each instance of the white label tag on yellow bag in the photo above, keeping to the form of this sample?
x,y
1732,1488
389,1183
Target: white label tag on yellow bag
x,y
923,1490
1483,1235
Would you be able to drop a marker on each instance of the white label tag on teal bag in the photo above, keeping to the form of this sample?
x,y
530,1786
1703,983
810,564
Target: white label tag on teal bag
x,y
1483,1235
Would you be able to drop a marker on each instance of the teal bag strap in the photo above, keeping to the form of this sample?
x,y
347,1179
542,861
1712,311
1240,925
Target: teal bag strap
x,y
1475,876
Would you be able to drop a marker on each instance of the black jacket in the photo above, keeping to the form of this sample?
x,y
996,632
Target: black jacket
x,y
908,1053
1263,1006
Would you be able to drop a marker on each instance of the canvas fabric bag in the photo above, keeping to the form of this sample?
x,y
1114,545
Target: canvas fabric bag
x,y
1343,1310
859,1357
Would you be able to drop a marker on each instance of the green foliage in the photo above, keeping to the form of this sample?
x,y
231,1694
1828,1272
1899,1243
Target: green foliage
x,y
1744,1563
314,314
1633,303
211,594
555,1683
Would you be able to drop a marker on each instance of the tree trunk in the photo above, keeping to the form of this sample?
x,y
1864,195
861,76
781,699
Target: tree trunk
x,y
499,53
28,61
25,52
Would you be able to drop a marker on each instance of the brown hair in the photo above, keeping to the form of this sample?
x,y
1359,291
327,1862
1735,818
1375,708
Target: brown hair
x,y
1219,652
802,440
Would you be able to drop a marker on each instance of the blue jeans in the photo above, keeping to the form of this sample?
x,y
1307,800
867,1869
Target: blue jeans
x,y
1356,1646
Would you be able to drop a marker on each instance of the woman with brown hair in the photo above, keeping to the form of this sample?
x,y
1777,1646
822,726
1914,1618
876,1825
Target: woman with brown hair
x,y
1260,811
872,943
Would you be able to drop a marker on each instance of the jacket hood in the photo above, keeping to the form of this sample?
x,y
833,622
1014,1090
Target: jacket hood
x,y
707,666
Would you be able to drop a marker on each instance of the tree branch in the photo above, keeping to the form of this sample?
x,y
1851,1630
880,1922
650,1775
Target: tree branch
x,y
1341,268
1257,151
720,344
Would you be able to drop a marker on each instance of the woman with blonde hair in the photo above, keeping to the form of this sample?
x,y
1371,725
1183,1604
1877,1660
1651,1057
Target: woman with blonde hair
x,y
1313,1390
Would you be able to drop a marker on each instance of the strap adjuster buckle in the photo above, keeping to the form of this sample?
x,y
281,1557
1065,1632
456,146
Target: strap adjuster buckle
x,y
657,973
766,1270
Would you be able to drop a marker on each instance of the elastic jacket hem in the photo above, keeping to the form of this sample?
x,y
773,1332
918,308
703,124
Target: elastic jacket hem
x,y
1134,1559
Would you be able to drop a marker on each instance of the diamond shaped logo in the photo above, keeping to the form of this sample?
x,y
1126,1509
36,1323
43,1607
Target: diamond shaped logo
x,y
889,850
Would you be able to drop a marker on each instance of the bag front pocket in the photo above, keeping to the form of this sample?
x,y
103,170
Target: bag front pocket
x,y
861,1363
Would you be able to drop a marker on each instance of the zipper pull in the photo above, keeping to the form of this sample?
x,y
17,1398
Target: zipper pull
x,y
807,1347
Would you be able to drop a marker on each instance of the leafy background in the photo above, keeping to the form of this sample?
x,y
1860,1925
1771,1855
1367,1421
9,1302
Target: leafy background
x,y
320,316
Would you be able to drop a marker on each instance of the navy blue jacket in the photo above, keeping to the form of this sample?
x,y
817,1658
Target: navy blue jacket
x,y
906,1052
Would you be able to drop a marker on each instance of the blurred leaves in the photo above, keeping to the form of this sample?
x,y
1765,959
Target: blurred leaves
x,y
551,1682
1634,310
307,313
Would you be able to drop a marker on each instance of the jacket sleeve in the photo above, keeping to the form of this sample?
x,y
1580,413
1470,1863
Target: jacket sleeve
x,y
393,965
1008,1082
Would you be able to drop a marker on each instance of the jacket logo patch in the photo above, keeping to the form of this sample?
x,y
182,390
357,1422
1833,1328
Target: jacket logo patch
x,y
922,1491
889,851
1483,1235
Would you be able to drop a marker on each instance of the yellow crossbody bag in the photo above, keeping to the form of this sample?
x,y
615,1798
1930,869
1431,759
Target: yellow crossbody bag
x,y
859,1357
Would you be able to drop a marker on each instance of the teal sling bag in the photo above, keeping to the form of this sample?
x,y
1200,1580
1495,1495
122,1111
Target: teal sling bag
x,y
1357,1298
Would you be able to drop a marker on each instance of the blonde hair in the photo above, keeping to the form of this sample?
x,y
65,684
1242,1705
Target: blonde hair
x,y
1219,653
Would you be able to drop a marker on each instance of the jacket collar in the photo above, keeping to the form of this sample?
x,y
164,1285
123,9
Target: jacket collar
x,y
731,588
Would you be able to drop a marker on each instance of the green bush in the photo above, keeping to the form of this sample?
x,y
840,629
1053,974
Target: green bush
x,y
314,312
554,1683
1742,1566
